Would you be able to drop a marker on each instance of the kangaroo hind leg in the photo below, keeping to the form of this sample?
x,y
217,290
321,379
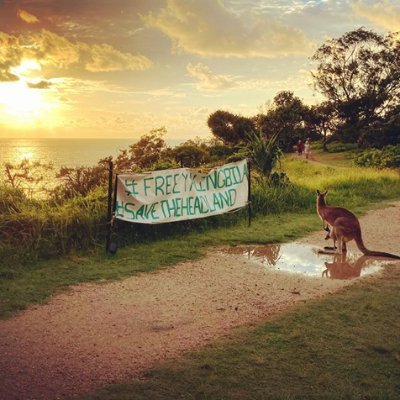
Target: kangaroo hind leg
x,y
330,235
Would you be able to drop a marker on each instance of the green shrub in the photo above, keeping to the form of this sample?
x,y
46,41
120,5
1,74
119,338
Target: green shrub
x,y
43,229
388,157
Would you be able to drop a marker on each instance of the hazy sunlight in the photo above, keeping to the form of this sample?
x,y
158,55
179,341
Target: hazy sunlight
x,y
22,106
26,67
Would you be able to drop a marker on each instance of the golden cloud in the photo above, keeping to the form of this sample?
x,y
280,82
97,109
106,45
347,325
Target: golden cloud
x,y
106,58
207,79
6,76
10,56
27,17
39,85
208,28
50,49
382,13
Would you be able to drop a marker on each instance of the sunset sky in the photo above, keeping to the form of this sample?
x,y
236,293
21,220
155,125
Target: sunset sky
x,y
119,68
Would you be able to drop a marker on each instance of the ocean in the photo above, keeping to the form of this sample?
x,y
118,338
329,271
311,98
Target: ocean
x,y
63,152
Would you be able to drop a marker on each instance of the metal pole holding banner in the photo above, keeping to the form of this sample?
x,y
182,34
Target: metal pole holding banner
x,y
109,208
114,203
112,247
249,190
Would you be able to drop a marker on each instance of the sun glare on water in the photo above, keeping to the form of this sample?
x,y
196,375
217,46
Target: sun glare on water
x,y
22,106
24,154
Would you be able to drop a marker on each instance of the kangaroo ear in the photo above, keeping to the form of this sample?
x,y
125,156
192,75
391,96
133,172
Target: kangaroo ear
x,y
318,192
325,192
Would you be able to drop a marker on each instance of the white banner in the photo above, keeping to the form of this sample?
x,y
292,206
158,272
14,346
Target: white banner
x,y
183,193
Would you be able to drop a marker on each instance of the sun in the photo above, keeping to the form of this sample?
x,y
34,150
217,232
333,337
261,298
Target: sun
x,y
21,103
23,106
26,67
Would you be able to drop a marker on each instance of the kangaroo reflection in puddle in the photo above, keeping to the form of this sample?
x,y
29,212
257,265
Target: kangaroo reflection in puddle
x,y
266,254
344,268
308,260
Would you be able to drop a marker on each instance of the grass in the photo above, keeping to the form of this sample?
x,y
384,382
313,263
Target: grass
x,y
345,346
338,159
352,187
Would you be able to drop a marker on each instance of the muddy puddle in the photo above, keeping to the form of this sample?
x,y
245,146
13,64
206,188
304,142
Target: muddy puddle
x,y
306,259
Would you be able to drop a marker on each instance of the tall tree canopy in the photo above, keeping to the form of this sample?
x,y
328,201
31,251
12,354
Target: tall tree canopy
x,y
360,74
285,118
143,154
230,128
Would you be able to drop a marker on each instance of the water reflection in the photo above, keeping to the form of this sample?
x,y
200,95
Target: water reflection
x,y
25,153
267,254
344,268
308,260
62,152
59,152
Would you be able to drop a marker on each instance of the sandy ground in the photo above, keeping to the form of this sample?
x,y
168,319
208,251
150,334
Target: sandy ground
x,y
95,334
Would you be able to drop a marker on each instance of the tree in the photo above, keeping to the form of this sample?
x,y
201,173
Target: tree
x,y
80,180
321,119
284,118
230,128
148,149
360,74
144,153
190,153
383,132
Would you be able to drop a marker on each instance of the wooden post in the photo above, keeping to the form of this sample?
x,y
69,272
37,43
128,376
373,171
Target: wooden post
x,y
249,190
109,208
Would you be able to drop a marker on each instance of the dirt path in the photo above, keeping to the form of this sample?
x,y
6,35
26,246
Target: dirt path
x,y
95,334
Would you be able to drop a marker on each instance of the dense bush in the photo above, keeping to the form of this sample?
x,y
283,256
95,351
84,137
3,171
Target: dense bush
x,y
388,157
79,181
43,229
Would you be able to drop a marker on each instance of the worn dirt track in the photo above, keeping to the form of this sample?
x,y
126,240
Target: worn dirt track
x,y
95,334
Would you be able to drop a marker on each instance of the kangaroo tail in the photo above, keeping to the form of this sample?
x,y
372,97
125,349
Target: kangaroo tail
x,y
366,252
381,254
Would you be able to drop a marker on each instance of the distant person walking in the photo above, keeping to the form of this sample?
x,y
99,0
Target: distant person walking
x,y
307,148
300,148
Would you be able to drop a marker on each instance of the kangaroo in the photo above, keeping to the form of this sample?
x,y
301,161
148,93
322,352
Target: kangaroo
x,y
331,235
344,227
